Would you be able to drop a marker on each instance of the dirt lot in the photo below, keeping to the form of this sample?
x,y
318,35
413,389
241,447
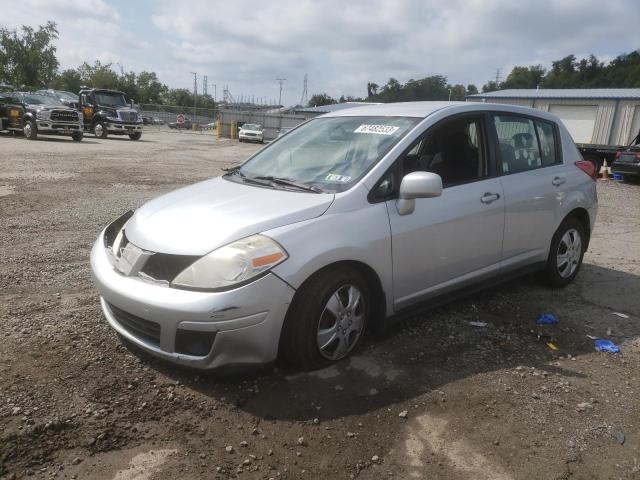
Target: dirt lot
x,y
435,398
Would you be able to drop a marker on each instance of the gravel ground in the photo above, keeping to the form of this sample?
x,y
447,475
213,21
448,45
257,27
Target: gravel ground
x,y
434,398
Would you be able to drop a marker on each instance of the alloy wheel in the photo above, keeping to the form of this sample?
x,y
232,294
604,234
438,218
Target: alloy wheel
x,y
569,253
341,322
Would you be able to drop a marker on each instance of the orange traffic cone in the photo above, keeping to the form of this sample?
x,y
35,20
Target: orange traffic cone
x,y
604,171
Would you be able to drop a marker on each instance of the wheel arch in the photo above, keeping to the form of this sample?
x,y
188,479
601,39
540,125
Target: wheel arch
x,y
582,215
379,302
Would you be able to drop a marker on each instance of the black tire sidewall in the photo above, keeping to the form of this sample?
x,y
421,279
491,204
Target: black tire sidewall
x,y
104,130
553,276
300,329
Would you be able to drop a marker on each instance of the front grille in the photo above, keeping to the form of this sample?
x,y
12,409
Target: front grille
x,y
64,116
251,134
127,116
136,326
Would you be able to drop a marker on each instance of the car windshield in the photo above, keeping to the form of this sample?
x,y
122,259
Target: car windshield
x,y
250,126
37,99
329,153
111,99
68,96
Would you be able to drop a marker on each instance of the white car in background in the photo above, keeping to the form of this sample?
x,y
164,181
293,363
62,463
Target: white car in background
x,y
250,132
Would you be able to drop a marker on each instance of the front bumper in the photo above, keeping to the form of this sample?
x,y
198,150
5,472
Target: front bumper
x,y
54,126
119,127
246,322
625,168
251,138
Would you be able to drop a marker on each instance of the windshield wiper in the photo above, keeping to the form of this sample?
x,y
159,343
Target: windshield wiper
x,y
288,182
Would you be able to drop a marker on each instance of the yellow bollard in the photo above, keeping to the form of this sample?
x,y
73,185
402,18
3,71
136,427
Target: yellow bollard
x,y
218,128
232,130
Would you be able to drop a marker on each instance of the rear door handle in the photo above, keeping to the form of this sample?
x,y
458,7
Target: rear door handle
x,y
490,197
557,181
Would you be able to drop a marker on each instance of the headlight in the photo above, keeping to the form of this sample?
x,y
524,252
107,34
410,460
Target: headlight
x,y
233,264
43,114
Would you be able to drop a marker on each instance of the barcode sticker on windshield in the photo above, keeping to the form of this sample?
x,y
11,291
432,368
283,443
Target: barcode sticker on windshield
x,y
334,177
377,129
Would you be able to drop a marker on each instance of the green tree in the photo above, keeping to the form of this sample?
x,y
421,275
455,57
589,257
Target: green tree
x,y
490,86
524,77
320,99
472,89
28,57
68,80
458,93
150,90
98,75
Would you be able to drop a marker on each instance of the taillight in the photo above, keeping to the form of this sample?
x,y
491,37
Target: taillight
x,y
618,154
637,155
588,168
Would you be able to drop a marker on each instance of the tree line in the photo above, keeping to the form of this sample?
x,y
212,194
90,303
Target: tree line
x,y
568,72
28,62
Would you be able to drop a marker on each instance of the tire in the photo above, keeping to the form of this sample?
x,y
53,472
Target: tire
x,y
30,130
311,337
77,136
569,240
100,130
135,136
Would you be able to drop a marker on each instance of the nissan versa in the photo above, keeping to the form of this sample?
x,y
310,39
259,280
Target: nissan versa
x,y
342,224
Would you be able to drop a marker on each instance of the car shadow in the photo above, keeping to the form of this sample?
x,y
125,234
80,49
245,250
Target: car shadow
x,y
432,349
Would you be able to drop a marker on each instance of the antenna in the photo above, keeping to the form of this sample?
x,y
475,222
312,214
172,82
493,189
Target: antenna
x,y
280,81
304,98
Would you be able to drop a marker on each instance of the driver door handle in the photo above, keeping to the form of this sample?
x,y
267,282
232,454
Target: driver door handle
x,y
557,181
490,197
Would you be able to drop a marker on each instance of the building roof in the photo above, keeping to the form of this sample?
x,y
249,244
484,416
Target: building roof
x,y
399,109
333,107
573,93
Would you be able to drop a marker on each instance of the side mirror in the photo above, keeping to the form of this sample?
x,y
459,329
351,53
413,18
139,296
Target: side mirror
x,y
417,185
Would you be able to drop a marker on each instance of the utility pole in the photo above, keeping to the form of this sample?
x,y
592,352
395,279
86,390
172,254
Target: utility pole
x,y
497,77
205,81
195,93
280,81
304,98
215,88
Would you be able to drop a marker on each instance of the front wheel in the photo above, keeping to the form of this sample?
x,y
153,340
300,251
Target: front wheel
x,y
327,319
30,130
77,136
100,130
565,255
135,136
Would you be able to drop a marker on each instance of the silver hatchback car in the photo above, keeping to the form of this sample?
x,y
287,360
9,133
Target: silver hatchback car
x,y
344,223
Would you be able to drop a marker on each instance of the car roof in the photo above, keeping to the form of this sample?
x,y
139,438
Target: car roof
x,y
425,109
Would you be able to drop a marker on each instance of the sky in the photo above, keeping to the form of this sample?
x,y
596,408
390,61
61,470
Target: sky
x,y
341,45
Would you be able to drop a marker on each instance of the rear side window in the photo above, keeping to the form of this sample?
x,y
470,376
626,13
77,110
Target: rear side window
x,y
546,136
524,144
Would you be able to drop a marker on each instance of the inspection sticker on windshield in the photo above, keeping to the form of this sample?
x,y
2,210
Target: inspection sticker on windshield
x,y
334,177
377,129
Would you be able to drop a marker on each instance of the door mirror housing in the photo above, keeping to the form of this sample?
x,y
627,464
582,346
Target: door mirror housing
x,y
417,185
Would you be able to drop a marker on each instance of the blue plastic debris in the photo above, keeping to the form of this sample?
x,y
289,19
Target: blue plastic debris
x,y
547,319
603,345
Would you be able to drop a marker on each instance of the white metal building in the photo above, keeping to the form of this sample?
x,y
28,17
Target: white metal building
x,y
603,116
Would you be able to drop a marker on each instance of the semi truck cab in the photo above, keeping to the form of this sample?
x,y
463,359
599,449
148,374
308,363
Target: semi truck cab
x,y
107,112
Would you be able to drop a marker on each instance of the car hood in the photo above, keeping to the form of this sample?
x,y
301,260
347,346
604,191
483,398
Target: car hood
x,y
200,218
242,130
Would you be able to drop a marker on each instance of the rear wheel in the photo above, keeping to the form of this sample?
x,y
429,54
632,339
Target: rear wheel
x,y
100,130
565,255
327,319
30,130
135,136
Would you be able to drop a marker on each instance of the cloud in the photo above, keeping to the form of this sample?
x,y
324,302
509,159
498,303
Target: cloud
x,y
341,45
